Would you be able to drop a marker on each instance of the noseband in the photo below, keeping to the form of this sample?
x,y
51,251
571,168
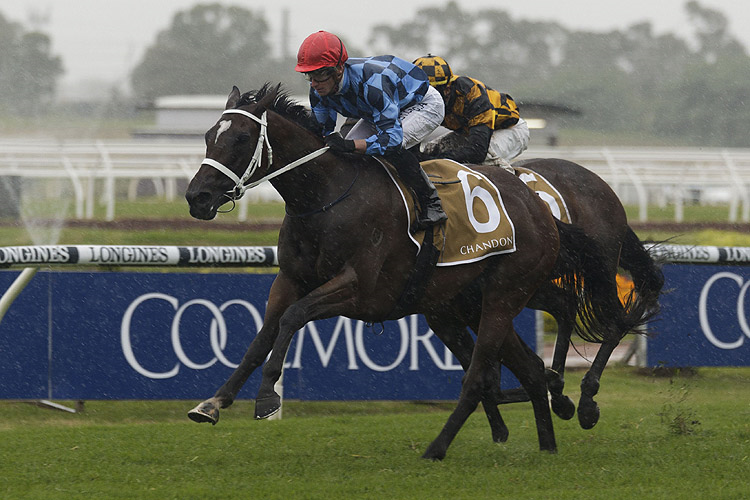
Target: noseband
x,y
240,185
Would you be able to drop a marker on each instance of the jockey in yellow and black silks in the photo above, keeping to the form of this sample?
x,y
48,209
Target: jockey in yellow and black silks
x,y
486,124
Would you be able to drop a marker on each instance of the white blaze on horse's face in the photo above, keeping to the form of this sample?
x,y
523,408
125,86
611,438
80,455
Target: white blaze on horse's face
x,y
223,127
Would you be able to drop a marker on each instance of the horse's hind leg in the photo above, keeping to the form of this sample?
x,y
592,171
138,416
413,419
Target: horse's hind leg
x,y
562,405
453,333
649,280
495,328
528,367
478,378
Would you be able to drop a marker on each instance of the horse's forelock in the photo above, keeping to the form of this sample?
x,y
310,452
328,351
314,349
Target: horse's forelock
x,y
245,99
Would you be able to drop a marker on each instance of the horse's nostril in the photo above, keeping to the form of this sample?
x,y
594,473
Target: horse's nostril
x,y
198,199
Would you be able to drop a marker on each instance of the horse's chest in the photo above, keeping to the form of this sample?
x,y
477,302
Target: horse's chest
x,y
313,263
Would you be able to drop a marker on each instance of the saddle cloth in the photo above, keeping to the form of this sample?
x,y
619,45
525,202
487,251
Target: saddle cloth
x,y
478,225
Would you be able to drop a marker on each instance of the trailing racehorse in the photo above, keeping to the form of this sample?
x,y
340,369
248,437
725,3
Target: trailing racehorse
x,y
595,208
344,250
592,206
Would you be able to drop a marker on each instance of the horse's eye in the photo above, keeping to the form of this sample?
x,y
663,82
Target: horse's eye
x,y
242,138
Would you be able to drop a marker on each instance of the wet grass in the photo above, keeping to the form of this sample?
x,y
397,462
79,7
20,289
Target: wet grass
x,y
149,450
691,213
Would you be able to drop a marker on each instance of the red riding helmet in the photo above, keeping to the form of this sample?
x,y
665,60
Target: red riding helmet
x,y
320,50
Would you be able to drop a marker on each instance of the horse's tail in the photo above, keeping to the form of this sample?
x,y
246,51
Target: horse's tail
x,y
642,303
585,279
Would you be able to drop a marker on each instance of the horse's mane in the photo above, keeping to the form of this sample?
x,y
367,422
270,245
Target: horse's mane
x,y
283,104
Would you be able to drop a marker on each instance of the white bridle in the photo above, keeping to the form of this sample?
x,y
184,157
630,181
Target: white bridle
x,y
239,182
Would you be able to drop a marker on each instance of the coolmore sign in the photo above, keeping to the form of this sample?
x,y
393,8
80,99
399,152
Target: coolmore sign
x,y
705,319
73,335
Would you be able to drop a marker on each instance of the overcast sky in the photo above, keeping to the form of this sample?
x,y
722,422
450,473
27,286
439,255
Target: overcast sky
x,y
104,39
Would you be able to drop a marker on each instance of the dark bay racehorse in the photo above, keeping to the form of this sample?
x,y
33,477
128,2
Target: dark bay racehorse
x,y
344,251
595,208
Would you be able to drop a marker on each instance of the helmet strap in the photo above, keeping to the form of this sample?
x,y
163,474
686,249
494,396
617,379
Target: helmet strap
x,y
341,50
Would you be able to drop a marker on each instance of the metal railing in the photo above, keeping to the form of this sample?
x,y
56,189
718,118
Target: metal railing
x,y
639,176
664,176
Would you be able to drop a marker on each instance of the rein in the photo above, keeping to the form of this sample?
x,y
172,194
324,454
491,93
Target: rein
x,y
240,185
330,205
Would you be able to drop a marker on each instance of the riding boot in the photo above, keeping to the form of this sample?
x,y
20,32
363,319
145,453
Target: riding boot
x,y
409,171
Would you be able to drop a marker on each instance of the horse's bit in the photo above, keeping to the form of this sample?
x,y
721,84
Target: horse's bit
x,y
239,182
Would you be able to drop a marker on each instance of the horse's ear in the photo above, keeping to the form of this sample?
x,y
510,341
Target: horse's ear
x,y
234,98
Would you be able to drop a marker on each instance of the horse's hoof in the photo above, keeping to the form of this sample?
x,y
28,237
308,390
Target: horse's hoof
x,y
563,407
265,407
588,414
204,412
500,436
433,453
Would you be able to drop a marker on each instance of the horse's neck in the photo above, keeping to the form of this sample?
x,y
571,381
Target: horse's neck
x,y
310,185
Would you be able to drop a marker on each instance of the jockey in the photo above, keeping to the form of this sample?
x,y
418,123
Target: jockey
x,y
487,128
393,100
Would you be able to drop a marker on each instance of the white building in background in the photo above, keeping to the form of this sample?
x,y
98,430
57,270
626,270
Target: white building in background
x,y
182,116
186,116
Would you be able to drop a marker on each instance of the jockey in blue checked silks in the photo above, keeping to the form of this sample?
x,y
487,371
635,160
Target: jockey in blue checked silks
x,y
394,102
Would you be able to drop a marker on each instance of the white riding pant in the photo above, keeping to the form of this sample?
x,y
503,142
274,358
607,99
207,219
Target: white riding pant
x,y
505,144
508,143
417,121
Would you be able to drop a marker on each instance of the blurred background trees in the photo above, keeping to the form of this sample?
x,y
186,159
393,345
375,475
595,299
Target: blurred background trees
x,y
28,70
624,82
205,48
629,81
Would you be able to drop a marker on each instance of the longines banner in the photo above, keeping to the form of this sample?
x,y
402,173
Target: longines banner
x,y
101,335
139,255
705,319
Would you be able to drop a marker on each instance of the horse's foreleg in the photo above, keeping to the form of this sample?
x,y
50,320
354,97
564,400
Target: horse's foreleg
x,y
281,294
499,430
550,298
330,299
562,405
588,410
